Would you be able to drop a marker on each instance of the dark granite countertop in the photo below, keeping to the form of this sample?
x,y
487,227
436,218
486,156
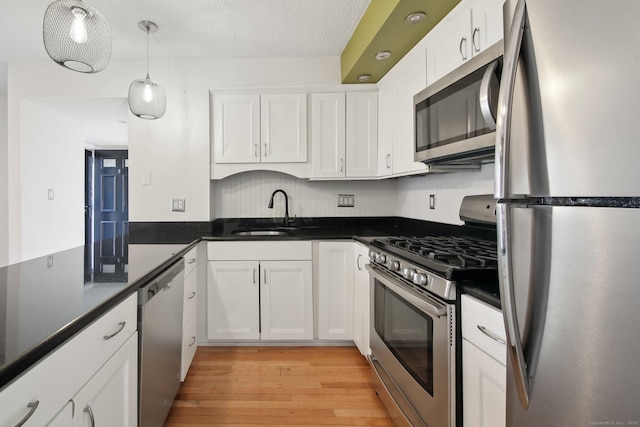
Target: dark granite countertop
x,y
47,300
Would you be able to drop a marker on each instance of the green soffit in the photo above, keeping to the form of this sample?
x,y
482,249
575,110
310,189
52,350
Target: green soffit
x,y
383,28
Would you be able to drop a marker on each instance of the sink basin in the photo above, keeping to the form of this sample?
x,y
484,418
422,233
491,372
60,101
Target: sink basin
x,y
260,233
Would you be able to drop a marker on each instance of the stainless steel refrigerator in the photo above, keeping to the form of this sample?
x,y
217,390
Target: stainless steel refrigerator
x,y
568,184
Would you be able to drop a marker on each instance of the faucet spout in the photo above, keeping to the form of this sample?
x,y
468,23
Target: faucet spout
x,y
286,204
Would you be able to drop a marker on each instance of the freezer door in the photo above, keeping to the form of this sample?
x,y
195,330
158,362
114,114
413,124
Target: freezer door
x,y
571,128
575,294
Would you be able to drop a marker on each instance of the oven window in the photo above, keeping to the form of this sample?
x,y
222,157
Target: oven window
x,y
407,332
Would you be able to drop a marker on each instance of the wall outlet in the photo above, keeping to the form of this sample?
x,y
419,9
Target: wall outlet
x,y
346,200
177,205
50,194
432,201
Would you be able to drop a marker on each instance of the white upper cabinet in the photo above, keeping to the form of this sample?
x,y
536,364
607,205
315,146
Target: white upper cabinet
x,y
344,135
236,128
260,128
328,136
396,91
362,134
471,27
283,128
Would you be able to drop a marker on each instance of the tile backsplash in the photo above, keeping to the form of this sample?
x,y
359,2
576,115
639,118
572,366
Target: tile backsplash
x,y
247,195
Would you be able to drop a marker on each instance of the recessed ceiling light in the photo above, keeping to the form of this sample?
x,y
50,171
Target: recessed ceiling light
x,y
364,77
383,55
415,17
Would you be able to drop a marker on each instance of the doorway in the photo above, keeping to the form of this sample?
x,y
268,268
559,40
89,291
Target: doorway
x,y
106,215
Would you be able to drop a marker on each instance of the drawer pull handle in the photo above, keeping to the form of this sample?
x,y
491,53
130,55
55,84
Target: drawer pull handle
x,y
90,412
33,406
491,334
193,294
191,261
193,341
108,337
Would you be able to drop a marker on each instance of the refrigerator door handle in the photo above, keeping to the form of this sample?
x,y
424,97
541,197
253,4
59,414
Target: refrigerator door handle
x,y
514,341
513,45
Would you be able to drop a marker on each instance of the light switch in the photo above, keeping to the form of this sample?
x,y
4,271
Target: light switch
x,y
50,194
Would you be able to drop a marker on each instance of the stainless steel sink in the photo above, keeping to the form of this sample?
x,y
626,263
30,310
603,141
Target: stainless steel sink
x,y
260,233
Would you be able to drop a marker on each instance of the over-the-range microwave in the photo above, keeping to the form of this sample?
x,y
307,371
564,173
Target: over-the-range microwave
x,y
455,117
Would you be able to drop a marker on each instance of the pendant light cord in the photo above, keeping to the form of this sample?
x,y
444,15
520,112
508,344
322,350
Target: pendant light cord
x,y
147,51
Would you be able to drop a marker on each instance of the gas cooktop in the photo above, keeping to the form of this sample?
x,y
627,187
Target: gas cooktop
x,y
452,257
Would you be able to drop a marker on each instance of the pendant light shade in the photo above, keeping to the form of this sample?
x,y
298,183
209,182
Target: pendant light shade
x,y
77,36
147,99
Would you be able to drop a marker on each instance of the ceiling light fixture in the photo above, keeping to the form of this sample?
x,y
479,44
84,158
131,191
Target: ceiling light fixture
x,y
364,77
383,55
415,17
76,36
147,99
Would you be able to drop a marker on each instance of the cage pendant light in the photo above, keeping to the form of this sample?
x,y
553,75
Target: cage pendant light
x,y
147,99
76,36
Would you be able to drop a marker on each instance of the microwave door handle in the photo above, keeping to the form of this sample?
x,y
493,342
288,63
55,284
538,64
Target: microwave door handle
x,y
513,45
485,95
514,341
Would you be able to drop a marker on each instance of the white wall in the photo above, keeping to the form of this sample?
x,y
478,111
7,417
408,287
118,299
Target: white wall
x,y
4,206
52,157
247,195
449,189
174,150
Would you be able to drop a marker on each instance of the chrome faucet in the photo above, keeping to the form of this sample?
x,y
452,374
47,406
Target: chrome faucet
x,y
286,205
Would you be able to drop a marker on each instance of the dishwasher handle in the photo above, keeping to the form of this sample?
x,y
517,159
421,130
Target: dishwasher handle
x,y
160,283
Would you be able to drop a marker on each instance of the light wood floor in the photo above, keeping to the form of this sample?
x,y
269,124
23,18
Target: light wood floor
x,y
278,386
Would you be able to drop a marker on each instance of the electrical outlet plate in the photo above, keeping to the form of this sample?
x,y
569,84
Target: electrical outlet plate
x,y
346,200
177,205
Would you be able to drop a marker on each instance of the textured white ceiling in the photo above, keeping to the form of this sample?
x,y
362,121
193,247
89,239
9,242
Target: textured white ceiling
x,y
198,28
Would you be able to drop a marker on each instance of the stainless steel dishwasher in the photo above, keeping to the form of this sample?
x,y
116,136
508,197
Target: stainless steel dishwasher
x,y
160,342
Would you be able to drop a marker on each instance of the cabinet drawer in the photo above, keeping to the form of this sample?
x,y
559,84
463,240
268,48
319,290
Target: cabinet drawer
x,y
190,297
190,261
263,251
189,345
477,315
59,376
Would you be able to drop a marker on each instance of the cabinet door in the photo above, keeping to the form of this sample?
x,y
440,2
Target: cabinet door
x,y
286,300
362,134
189,345
110,397
232,300
283,128
412,80
361,300
449,43
236,128
387,122
335,290
483,387
328,136
487,24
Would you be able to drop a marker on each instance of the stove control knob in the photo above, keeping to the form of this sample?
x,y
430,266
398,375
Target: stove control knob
x,y
382,259
373,256
419,279
394,265
408,273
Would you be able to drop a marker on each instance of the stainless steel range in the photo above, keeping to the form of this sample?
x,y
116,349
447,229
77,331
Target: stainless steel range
x,y
414,287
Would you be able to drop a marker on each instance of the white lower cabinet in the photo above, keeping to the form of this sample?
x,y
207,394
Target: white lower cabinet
x,y
269,299
335,290
98,367
109,398
361,299
189,311
483,364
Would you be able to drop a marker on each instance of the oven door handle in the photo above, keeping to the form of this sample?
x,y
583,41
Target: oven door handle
x,y
423,302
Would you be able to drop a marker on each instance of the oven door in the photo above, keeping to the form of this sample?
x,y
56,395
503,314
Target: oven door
x,y
412,351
